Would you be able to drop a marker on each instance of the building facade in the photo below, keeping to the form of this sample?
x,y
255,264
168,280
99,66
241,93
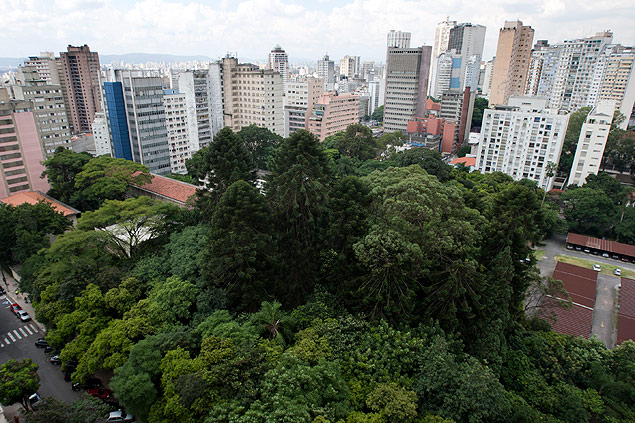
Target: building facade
x,y
457,106
326,71
398,39
521,139
279,62
134,100
299,99
21,153
79,76
332,114
101,135
350,67
593,135
252,96
176,124
406,86
513,54
46,66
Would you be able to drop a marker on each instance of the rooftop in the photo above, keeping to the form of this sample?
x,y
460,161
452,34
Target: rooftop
x,y
34,197
467,161
626,314
170,188
601,244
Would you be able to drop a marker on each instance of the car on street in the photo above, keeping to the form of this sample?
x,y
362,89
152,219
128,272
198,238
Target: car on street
x,y
23,315
617,272
597,267
34,400
41,343
56,360
15,308
91,383
119,416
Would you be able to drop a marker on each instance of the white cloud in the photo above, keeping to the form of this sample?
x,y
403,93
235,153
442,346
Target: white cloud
x,y
253,27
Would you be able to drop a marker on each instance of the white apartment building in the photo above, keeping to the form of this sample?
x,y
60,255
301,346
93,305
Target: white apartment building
x,y
46,67
521,139
349,66
376,92
101,135
618,81
574,74
593,135
176,124
299,99
326,71
398,39
252,96
279,62
204,101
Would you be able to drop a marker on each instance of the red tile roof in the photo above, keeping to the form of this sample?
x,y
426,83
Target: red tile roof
x,y
574,321
579,282
601,244
626,314
33,197
170,188
467,161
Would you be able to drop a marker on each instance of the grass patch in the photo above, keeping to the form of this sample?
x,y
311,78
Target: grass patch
x,y
539,254
607,269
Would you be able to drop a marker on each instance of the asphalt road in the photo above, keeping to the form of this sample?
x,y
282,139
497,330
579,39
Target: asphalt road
x,y
17,341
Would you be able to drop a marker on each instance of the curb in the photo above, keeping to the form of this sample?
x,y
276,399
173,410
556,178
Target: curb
x,y
20,303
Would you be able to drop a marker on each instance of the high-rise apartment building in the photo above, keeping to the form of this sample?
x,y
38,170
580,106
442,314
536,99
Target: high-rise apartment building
x,y
487,77
446,73
332,114
252,96
134,102
101,135
46,66
574,74
406,86
513,54
279,62
79,77
467,40
48,108
442,37
176,124
21,153
458,106
203,93
618,81
326,71
521,139
593,135
349,66
376,92
299,99
536,63
398,39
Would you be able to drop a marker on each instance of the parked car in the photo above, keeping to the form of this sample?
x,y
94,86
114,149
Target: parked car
x,y
120,416
615,256
617,272
23,315
15,308
91,383
605,255
2,291
34,400
49,350
56,360
578,248
101,393
41,343
586,250
595,252
569,247
597,267
624,259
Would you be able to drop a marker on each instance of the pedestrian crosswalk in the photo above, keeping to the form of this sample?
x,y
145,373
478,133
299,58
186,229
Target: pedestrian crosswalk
x,y
17,334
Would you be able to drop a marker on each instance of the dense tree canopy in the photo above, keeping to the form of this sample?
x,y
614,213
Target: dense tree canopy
x,y
18,380
349,289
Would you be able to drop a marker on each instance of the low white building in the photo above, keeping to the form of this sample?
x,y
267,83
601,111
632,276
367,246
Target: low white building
x,y
593,135
521,139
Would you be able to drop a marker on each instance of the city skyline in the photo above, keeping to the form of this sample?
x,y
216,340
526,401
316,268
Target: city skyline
x,y
306,30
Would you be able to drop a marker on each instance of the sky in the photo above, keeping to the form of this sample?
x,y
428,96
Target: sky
x,y
306,29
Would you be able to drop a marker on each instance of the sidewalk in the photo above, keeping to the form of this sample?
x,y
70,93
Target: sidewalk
x,y
11,287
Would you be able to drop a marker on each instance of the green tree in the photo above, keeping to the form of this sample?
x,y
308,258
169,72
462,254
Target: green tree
x,y
589,211
430,160
131,222
18,380
356,142
480,104
464,150
240,247
61,170
378,114
609,185
625,229
261,142
105,178
393,403
83,410
576,120
298,190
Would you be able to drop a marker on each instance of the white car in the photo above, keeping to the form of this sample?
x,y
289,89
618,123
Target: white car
x,y
119,416
23,315
617,272
597,267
